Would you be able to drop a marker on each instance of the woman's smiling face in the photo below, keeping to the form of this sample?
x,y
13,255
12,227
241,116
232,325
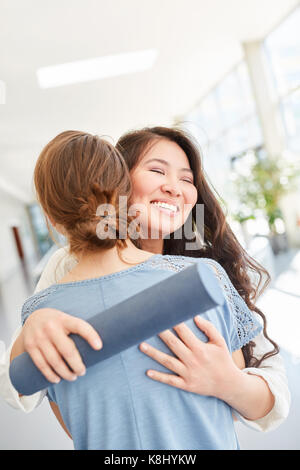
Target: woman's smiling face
x,y
163,189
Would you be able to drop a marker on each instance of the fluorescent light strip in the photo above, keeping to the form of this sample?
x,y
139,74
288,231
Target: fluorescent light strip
x,y
95,69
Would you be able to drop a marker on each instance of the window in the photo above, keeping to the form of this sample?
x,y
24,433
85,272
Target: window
x,y
283,50
40,229
226,124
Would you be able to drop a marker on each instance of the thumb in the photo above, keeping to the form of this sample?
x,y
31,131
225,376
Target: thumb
x,y
209,329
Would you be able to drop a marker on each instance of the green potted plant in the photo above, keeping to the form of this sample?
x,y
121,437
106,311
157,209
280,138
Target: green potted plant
x,y
260,187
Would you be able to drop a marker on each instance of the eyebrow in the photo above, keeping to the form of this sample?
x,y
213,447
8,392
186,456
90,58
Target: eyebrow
x,y
164,162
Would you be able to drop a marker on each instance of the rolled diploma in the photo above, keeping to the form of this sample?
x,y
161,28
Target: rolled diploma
x,y
190,292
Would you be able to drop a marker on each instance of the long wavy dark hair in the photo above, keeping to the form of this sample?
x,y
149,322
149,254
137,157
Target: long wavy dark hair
x,y
219,242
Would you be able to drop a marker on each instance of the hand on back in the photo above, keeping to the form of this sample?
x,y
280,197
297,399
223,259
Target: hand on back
x,y
45,336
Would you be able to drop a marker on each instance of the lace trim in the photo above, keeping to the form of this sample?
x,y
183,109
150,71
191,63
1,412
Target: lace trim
x,y
171,262
34,301
246,325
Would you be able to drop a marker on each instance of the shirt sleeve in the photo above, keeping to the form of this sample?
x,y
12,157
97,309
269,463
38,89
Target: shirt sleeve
x,y
59,264
8,392
272,369
243,325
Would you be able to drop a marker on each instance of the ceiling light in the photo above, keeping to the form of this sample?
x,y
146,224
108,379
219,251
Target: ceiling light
x,y
95,69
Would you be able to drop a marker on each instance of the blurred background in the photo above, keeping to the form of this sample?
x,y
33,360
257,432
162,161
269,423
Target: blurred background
x,y
226,70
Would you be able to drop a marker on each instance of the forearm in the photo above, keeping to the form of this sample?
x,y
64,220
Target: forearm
x,y
7,392
18,347
56,268
249,395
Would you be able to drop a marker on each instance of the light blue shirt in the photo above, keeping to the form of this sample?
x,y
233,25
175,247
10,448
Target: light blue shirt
x,y
115,405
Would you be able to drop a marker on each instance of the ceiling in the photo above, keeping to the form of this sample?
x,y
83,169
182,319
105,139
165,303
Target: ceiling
x,y
197,42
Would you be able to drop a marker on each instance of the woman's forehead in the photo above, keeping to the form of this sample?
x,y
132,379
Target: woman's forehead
x,y
168,151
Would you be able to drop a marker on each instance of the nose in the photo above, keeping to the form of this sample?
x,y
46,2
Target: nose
x,y
172,189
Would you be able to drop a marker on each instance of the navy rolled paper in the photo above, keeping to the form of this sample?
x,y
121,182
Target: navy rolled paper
x,y
178,298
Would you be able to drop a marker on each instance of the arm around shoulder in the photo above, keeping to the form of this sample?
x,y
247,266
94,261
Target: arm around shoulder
x,y
58,265
8,392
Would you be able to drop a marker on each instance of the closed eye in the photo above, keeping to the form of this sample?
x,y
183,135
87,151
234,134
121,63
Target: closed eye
x,y
157,170
162,172
187,180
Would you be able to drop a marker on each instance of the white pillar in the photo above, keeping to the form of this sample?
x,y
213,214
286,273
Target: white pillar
x,y
266,98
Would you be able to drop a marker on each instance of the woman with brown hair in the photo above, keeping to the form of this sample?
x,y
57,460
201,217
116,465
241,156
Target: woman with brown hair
x,y
78,178
218,244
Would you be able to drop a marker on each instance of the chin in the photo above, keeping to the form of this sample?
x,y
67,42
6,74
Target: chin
x,y
167,228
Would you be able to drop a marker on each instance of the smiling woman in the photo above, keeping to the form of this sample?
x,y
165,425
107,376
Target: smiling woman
x,y
163,190
166,174
179,150
74,173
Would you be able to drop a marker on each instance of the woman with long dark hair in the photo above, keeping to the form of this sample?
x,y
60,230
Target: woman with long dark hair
x,y
218,244
79,178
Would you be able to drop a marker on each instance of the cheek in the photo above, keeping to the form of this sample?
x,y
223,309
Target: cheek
x,y
191,196
190,199
142,187
137,188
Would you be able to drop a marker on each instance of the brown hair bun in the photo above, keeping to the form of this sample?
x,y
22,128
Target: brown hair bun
x,y
77,175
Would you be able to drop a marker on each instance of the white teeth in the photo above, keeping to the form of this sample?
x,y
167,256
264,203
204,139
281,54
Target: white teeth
x,y
165,206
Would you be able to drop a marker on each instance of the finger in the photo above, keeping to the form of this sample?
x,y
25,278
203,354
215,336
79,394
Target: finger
x,y
164,359
69,352
209,329
175,344
168,379
187,336
40,362
84,329
56,362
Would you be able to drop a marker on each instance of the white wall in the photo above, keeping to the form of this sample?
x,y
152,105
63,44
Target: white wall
x,y
12,211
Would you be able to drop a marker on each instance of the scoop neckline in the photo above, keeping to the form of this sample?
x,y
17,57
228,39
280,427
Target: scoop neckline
x,y
111,275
